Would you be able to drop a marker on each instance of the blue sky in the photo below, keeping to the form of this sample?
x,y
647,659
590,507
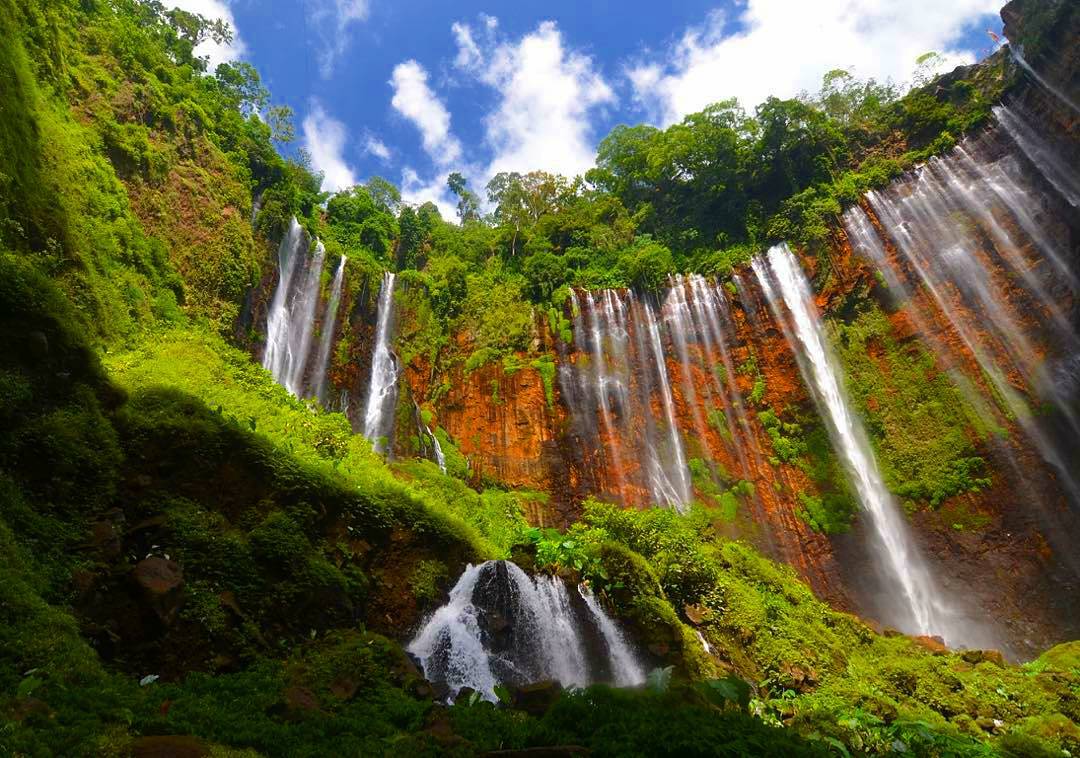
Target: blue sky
x,y
414,89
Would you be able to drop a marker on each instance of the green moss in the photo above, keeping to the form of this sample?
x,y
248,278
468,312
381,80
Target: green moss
x,y
923,428
545,367
427,580
718,420
750,368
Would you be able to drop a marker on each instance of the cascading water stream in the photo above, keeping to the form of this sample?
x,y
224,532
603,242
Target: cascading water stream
x,y
957,225
326,339
674,483
788,294
681,326
626,670
382,385
501,626
1018,56
440,457
291,319
640,381
622,369
302,322
1040,153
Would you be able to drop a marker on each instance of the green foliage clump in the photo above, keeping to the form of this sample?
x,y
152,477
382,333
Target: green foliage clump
x,y
680,720
545,367
427,579
749,367
496,514
924,429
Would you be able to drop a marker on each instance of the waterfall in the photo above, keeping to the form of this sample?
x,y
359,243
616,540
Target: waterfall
x,y
969,248
440,458
382,386
1040,153
626,671
674,483
788,294
970,237
501,626
621,369
291,318
326,339
642,378
1018,56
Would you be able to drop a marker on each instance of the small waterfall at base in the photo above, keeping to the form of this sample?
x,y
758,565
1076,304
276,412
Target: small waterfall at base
x,y
291,318
326,340
382,386
501,626
626,671
789,297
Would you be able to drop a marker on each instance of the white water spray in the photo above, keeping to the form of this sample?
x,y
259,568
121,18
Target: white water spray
x,y
501,626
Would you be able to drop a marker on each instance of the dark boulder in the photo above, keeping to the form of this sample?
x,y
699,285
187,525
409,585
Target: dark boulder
x,y
161,582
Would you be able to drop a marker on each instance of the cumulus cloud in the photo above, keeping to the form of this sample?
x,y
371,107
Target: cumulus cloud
x,y
333,21
215,52
325,138
779,47
547,95
416,101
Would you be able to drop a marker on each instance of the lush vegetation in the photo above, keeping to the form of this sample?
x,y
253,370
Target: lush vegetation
x,y
821,672
189,553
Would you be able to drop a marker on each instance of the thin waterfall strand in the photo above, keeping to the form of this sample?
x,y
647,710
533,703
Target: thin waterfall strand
x,y
326,339
291,319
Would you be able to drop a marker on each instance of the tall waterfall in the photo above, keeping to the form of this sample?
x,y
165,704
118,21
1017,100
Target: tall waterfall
x,y
651,385
622,368
501,626
1041,153
326,339
382,386
966,244
788,293
291,319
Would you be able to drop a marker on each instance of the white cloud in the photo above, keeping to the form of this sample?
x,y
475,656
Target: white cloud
x,y
215,52
332,20
325,138
415,191
784,47
468,55
415,100
547,95
375,146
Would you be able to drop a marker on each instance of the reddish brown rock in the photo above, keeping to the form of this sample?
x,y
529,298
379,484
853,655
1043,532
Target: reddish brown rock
x,y
169,746
161,582
935,645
